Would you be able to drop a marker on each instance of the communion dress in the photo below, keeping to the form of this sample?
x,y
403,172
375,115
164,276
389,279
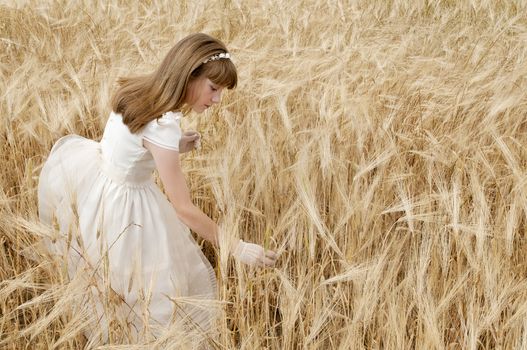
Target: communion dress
x,y
113,219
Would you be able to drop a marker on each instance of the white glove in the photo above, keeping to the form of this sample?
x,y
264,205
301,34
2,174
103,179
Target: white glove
x,y
253,254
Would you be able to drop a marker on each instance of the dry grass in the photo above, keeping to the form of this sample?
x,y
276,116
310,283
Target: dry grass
x,y
378,145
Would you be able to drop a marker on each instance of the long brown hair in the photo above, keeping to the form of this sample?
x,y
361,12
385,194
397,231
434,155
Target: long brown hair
x,y
144,98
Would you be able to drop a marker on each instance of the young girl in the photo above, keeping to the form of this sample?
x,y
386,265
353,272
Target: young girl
x,y
118,222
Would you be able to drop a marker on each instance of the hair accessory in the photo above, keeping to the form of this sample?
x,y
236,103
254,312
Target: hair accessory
x,y
224,55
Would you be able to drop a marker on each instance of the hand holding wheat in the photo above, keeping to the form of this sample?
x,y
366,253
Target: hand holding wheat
x,y
254,254
189,141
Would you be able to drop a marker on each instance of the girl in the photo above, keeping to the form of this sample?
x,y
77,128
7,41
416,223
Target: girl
x,y
102,195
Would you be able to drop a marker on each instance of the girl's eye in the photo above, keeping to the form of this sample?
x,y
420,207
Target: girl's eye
x,y
213,88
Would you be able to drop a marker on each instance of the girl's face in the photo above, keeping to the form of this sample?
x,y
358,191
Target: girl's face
x,y
202,93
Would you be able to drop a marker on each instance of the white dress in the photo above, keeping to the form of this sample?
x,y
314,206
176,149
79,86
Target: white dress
x,y
103,193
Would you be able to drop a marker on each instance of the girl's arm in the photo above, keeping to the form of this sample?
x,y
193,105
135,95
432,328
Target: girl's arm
x,y
169,168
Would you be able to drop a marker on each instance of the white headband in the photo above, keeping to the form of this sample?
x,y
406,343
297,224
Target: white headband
x,y
219,56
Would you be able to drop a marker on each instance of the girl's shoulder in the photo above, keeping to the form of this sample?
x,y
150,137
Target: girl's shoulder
x,y
164,131
170,116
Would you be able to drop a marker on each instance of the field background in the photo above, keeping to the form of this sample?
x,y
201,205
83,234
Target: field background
x,y
379,146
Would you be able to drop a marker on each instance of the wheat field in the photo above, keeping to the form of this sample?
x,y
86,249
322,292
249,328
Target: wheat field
x,y
378,146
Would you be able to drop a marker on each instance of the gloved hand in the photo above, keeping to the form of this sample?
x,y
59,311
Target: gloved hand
x,y
254,254
189,140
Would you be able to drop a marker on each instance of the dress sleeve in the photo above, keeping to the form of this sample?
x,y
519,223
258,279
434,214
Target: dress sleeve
x,y
165,131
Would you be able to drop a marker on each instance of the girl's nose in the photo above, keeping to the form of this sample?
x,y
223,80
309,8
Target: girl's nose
x,y
216,98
